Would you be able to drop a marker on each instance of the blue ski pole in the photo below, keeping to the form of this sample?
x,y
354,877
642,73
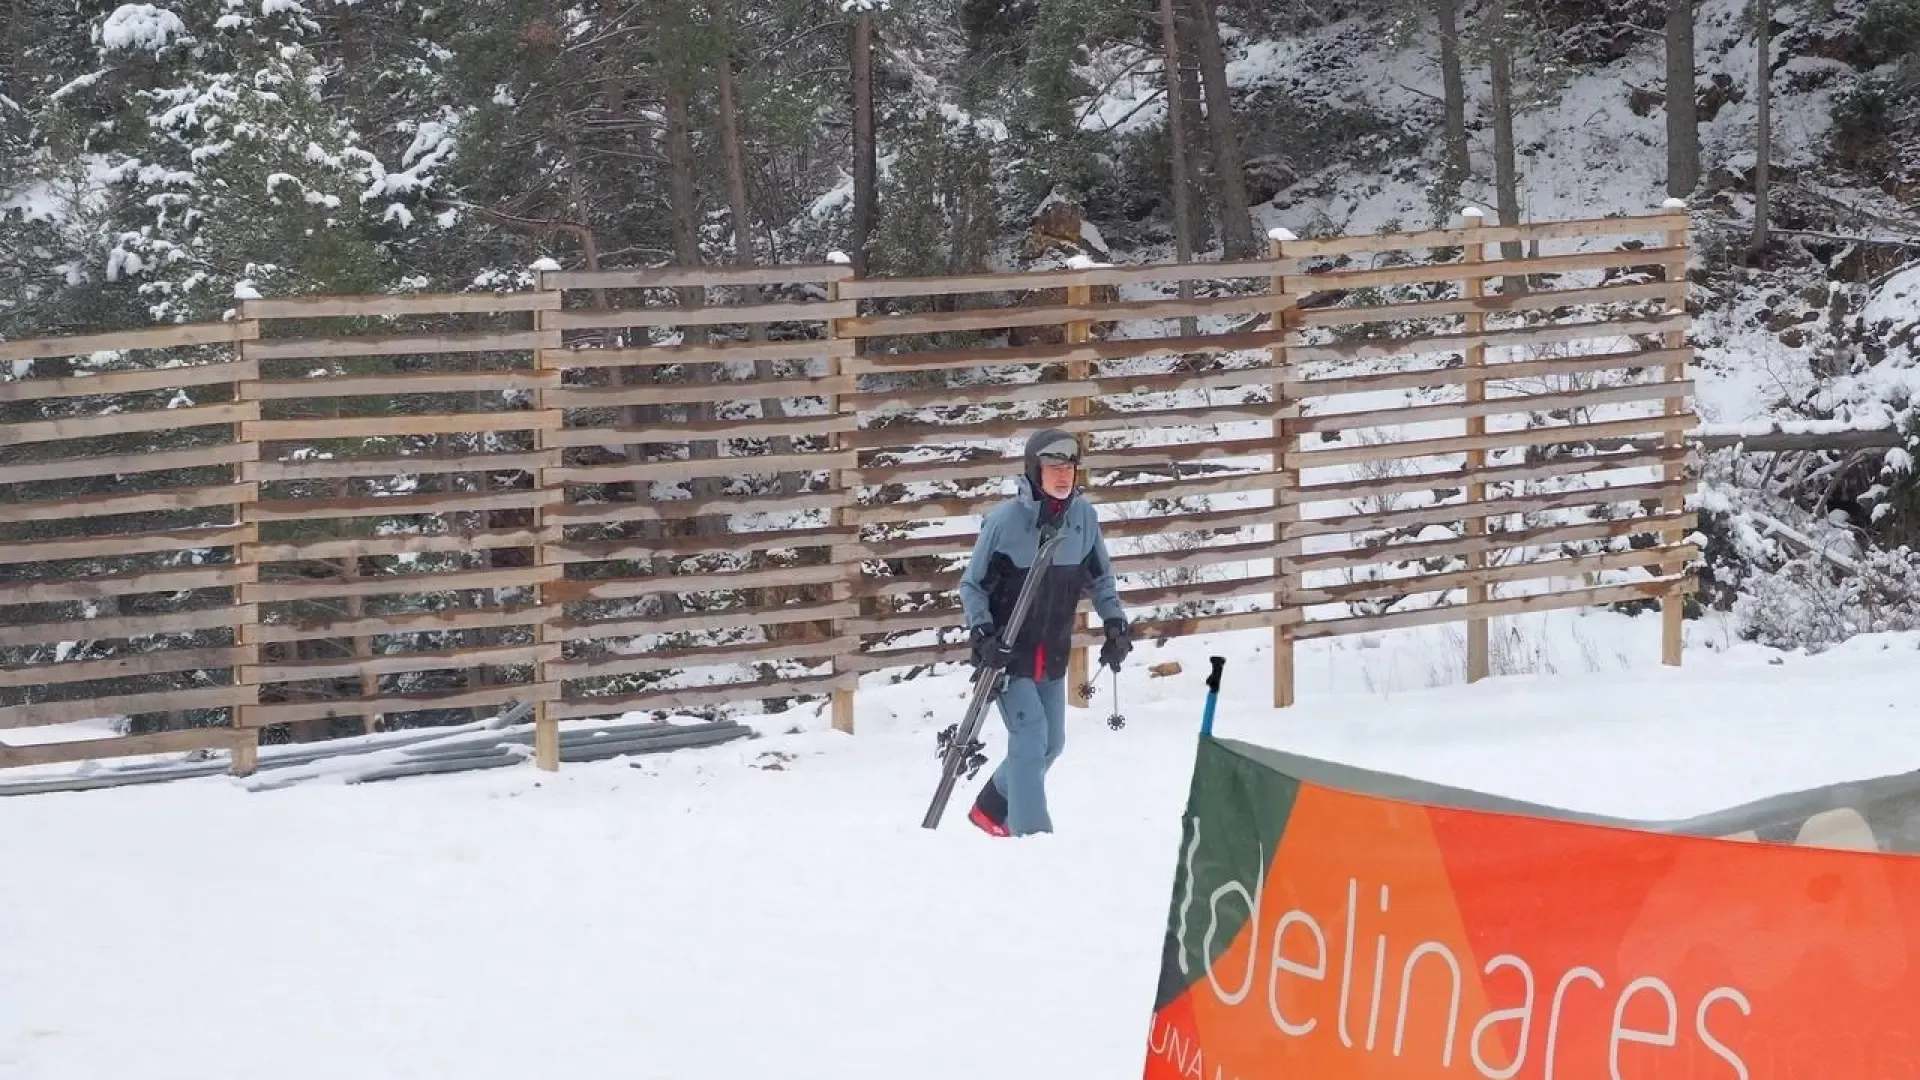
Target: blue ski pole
x,y
1213,696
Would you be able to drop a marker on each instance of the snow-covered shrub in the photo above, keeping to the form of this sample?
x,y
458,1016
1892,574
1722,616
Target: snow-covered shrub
x,y
1811,602
1796,580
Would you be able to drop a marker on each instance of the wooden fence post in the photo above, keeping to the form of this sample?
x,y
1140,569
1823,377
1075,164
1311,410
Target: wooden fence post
x,y
1474,287
1285,508
847,587
546,728
246,745
1079,331
1673,604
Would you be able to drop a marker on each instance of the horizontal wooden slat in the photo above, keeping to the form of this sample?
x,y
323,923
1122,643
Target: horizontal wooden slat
x,y
736,465
90,588
701,430
1517,605
667,355
710,656
397,505
1089,352
1096,460
1026,280
153,337
1449,479
400,465
400,345
412,543
398,304
125,423
880,401
1523,337
681,546
121,546
1495,303
1493,406
425,622
921,509
899,435
699,622
66,712
698,697
601,513
403,663
684,584
127,382
374,427
1007,317
1460,444
675,277
128,464
715,315
1143,630
599,397
296,712
1446,513
517,577
1629,225
1414,585
161,662
431,382
1458,547
1461,375
141,502
122,746
1422,273
126,626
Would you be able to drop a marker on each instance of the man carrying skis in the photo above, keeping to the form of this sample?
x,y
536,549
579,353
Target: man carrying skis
x,y
1033,706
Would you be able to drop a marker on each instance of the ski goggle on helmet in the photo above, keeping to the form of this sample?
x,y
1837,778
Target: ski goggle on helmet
x,y
1062,451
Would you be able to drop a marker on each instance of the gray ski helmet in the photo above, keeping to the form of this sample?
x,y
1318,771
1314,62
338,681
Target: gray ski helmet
x,y
1052,447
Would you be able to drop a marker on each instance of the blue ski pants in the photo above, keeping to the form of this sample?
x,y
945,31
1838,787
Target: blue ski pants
x,y
1036,717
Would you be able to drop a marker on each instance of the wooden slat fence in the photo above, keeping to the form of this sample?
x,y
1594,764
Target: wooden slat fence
x,y
671,489
121,597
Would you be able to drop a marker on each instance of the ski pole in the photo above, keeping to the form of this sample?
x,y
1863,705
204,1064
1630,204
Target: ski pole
x,y
1213,696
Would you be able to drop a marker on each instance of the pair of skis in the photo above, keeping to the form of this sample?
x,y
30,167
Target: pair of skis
x,y
962,744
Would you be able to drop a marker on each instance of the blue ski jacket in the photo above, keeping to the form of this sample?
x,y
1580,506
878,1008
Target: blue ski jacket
x,y
1003,557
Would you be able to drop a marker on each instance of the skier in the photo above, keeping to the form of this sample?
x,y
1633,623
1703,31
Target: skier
x,y
1013,801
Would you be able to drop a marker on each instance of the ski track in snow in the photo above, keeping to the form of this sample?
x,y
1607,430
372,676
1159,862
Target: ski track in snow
x,y
701,914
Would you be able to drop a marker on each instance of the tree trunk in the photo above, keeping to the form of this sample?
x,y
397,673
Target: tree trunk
x,y
1236,226
1200,172
1505,167
866,157
686,252
1177,153
1763,139
1453,87
1683,123
735,159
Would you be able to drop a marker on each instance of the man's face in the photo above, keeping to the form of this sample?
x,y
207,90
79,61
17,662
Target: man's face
x,y
1056,479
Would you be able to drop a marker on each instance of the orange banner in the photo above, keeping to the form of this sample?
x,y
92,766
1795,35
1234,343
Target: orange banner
x,y
1319,934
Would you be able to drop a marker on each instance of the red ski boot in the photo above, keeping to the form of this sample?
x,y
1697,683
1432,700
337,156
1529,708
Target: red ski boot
x,y
989,811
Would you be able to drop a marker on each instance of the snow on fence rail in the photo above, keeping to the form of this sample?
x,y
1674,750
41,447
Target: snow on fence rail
x,y
664,489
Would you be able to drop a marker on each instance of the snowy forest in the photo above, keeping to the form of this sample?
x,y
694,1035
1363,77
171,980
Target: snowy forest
x,y
155,156
159,161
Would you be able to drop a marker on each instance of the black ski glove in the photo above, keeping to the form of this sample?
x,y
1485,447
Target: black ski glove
x,y
1117,646
988,649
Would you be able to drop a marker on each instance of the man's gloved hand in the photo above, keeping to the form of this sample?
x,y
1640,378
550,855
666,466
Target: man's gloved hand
x,y
1118,644
988,649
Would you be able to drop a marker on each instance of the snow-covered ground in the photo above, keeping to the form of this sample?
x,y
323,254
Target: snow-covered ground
x,y
772,908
